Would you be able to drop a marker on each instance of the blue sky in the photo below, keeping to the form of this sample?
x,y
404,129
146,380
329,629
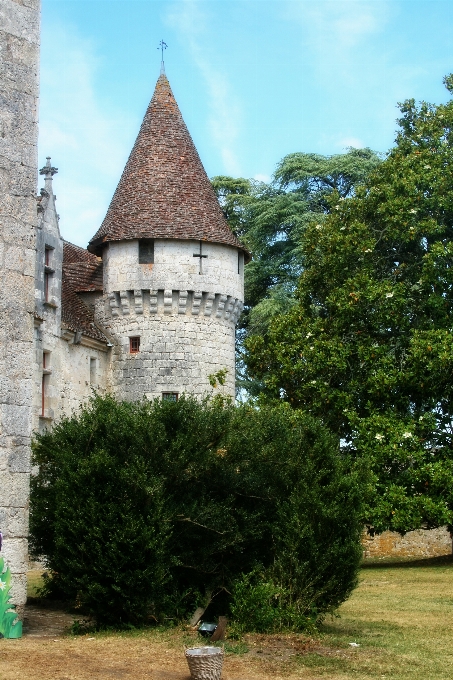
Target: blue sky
x,y
255,80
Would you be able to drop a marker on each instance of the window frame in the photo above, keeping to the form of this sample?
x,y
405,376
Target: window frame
x,y
168,396
48,272
46,372
134,340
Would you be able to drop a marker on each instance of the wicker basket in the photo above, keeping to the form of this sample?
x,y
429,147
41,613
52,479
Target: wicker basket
x,y
205,663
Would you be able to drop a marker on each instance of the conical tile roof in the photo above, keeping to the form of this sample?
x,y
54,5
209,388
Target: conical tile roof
x,y
164,191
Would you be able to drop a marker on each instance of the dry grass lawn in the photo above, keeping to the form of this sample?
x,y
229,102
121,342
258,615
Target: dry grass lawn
x,y
400,616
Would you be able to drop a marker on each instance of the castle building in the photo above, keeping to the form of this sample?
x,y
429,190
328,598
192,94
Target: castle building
x,y
149,309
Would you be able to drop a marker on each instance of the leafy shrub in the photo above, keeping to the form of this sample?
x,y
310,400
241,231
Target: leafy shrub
x,y
147,510
260,605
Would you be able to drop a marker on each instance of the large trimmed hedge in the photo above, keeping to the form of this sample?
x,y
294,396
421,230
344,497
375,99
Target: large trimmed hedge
x,y
146,510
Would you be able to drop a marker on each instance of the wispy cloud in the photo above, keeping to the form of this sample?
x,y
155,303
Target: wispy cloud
x,y
338,26
86,139
262,178
191,22
342,39
347,142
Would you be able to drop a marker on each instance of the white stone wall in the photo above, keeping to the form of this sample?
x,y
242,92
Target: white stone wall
x,y
19,50
69,380
185,320
178,351
175,267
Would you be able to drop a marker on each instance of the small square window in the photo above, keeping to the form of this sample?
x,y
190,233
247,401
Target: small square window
x,y
170,396
134,345
146,251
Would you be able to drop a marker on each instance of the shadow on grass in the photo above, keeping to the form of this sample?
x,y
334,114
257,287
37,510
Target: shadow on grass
x,y
407,562
364,629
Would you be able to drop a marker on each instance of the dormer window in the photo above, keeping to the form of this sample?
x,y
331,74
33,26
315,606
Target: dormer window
x,y
146,251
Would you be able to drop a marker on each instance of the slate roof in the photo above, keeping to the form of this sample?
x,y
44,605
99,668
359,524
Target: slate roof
x,y
164,191
82,272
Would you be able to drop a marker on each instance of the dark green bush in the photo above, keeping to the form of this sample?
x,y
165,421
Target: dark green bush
x,y
147,510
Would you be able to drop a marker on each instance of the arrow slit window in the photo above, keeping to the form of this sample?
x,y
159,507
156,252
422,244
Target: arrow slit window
x,y
48,272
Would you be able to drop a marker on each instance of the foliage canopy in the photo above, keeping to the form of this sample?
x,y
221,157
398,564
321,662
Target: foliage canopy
x,y
271,220
369,345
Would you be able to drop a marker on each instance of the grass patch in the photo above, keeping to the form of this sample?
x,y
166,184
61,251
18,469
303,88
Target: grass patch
x,y
400,616
34,582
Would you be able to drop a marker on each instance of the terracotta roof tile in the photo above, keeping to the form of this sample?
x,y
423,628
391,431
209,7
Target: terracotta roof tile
x,y
75,314
85,277
164,191
82,272
73,253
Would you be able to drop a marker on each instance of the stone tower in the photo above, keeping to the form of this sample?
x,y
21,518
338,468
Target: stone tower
x,y
19,45
173,270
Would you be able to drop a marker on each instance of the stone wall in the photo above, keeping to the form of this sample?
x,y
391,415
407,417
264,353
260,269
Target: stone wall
x,y
183,339
74,368
183,310
19,70
420,543
174,267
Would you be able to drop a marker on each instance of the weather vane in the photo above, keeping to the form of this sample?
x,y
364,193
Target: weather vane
x,y
162,46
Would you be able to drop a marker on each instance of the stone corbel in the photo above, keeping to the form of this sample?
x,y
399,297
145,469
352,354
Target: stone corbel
x,y
209,302
182,305
113,304
124,298
168,301
221,306
196,302
153,301
138,299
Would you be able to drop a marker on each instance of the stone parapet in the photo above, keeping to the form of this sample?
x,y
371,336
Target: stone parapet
x,y
174,302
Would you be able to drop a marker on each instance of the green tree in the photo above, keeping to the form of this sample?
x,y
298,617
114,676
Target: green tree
x,y
271,220
369,345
